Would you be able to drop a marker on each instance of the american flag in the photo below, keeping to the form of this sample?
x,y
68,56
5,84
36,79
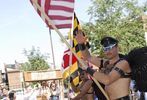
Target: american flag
x,y
59,11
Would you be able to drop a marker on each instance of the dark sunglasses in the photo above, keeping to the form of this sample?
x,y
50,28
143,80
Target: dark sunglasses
x,y
109,47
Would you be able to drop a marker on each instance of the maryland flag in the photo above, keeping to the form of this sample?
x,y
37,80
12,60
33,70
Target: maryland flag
x,y
70,63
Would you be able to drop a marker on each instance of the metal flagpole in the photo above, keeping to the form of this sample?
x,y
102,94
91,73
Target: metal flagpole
x,y
52,49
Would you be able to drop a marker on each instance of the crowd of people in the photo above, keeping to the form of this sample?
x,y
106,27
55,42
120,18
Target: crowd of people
x,y
6,94
40,91
44,91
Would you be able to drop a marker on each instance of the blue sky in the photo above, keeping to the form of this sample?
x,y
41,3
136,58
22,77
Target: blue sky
x,y
21,28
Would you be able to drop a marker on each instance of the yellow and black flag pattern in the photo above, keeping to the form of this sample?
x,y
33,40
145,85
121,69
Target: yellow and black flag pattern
x,y
72,70
75,46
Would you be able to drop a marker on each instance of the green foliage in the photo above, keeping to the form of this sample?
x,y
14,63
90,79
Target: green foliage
x,y
116,18
36,60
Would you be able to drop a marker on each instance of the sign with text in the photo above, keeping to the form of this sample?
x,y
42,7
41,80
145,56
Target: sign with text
x,y
42,75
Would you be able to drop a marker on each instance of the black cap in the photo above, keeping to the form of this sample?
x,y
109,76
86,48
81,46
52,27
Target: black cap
x,y
107,41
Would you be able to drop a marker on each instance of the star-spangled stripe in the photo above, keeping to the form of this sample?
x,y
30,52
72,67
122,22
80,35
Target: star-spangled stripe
x,y
59,11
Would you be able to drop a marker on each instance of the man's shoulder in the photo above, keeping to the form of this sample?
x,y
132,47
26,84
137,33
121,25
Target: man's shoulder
x,y
122,62
123,65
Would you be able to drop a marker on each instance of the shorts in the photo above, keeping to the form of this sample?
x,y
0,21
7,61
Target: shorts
x,y
124,98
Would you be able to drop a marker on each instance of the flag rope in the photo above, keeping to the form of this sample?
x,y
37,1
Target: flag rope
x,y
68,45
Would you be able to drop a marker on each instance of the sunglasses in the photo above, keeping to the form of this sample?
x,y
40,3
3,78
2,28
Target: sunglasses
x,y
109,47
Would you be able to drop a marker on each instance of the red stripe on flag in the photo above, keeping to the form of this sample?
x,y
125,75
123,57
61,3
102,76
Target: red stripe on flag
x,y
60,18
61,8
67,58
47,6
65,0
57,11
61,26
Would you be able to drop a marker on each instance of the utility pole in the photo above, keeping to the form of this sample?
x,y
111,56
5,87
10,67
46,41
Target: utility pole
x,y
52,49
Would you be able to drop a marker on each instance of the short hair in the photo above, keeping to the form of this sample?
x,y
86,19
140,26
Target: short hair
x,y
11,95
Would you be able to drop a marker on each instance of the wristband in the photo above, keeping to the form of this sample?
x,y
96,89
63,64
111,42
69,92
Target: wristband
x,y
82,46
90,71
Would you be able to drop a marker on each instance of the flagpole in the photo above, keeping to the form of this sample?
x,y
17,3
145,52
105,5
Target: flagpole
x,y
70,61
62,37
52,49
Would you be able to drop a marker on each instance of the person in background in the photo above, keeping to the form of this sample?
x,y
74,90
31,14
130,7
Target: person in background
x,y
1,92
12,95
4,93
43,89
54,91
85,89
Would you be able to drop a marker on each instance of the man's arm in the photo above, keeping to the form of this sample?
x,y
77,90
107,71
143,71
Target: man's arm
x,y
84,50
112,76
84,90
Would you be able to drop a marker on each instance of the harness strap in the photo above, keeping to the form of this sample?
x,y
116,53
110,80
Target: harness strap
x,y
118,61
101,64
120,71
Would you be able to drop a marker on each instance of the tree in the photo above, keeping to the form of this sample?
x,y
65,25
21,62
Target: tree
x,y
36,60
118,18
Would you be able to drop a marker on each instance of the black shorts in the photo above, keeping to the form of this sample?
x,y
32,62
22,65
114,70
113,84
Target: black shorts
x,y
124,98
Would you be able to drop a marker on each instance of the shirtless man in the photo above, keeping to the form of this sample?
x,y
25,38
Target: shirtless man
x,y
85,88
115,74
